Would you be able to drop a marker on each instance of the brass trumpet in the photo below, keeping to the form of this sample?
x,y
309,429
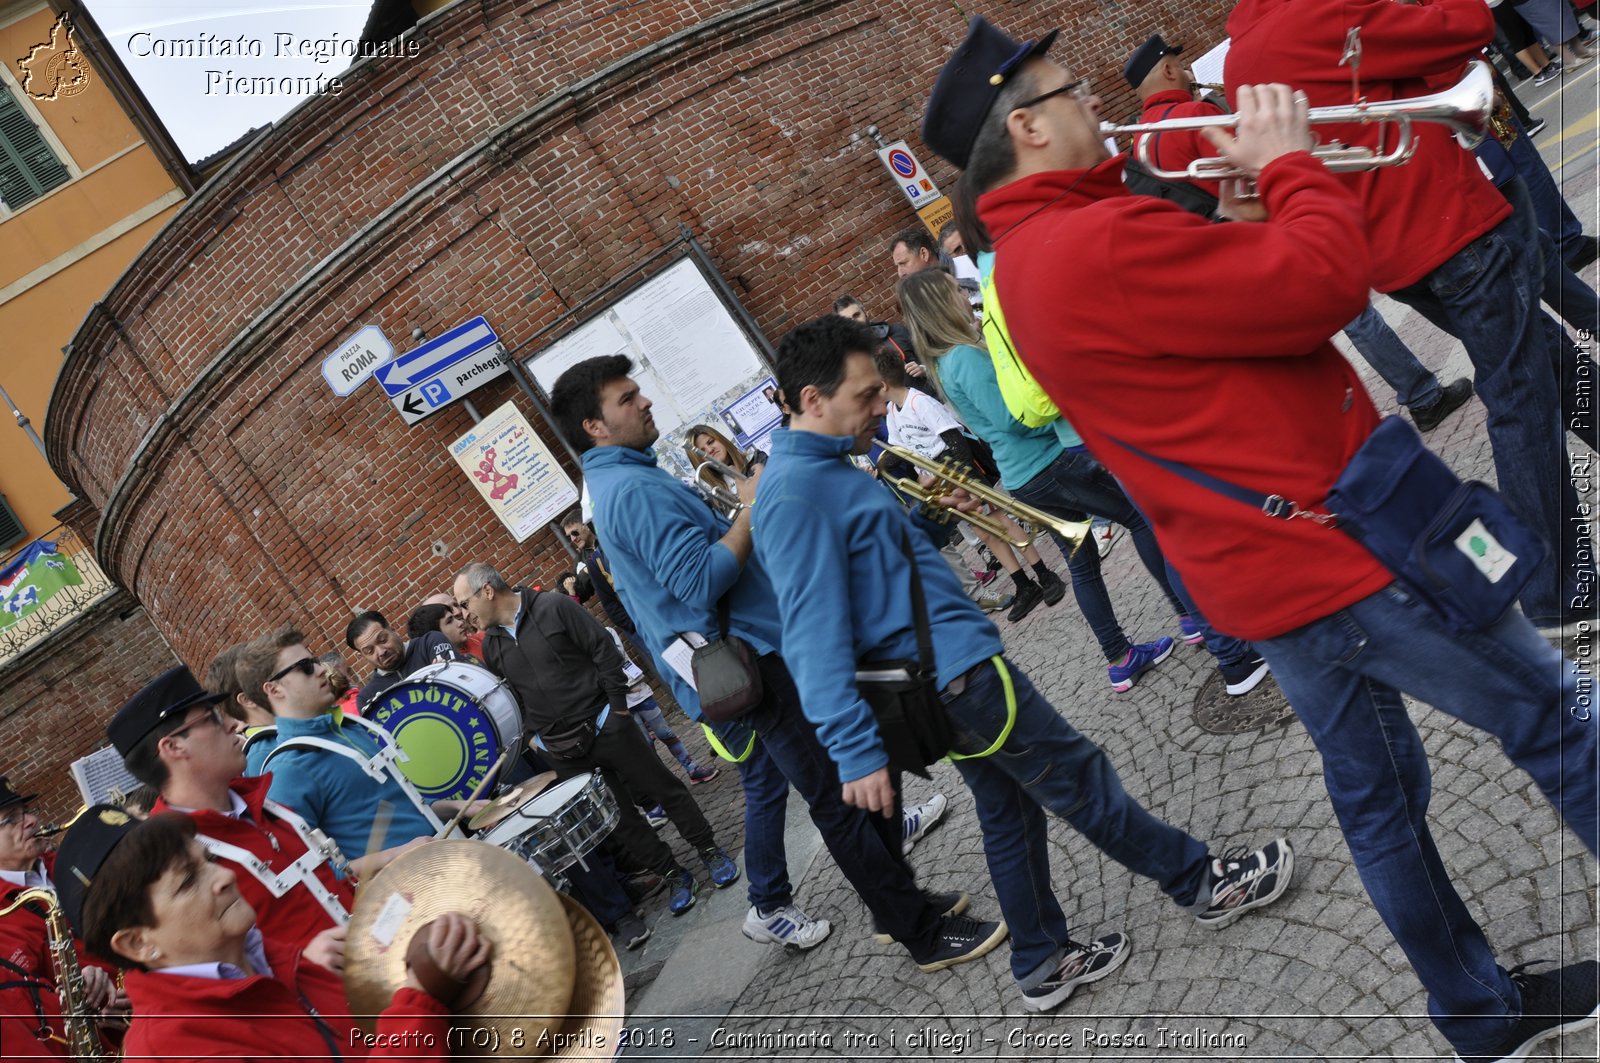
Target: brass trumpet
x,y
723,500
1465,108
947,477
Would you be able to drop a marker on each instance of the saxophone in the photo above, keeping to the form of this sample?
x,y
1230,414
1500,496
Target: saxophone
x,y
77,1019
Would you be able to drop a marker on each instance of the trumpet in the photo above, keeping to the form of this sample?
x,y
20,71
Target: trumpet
x,y
723,500
1464,107
947,477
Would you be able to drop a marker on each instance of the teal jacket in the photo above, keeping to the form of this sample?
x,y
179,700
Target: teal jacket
x,y
831,539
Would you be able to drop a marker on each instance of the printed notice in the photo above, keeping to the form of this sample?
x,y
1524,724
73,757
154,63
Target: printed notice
x,y
514,472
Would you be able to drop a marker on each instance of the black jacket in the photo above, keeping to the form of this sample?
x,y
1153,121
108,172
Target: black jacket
x,y
562,665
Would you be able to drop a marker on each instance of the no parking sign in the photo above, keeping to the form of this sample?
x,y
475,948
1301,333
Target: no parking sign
x,y
908,174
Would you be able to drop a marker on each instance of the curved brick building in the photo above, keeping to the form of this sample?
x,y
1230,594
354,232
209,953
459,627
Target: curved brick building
x,y
526,157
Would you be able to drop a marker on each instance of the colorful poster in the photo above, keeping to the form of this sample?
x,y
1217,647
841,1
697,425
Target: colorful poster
x,y
514,472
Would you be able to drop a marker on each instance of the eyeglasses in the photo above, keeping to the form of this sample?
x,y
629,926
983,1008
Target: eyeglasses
x,y
306,666
1079,90
16,817
213,715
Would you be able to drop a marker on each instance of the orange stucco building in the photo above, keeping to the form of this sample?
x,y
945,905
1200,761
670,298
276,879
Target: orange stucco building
x,y
87,178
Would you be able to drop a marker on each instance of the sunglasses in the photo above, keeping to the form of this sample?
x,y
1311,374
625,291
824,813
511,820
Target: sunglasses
x,y
306,666
1079,90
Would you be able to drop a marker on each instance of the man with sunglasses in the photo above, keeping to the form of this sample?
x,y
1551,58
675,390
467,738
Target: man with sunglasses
x,y
174,737
30,1008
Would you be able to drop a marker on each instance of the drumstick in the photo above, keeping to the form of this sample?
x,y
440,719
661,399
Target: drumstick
x,y
488,777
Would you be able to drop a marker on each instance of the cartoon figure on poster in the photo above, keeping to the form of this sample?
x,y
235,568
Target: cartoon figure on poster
x,y
487,473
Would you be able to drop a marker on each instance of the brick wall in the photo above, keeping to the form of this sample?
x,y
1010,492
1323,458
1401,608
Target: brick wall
x,y
57,699
239,493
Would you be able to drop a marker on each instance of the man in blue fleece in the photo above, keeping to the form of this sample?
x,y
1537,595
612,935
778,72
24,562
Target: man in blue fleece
x,y
674,561
834,542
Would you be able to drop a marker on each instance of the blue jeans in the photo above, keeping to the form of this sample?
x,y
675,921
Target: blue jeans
x,y
1224,649
865,846
1044,766
1414,386
1075,484
653,725
1549,206
1487,296
766,806
1344,675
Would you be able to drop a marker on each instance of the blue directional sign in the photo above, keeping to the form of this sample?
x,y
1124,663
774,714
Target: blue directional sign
x,y
460,344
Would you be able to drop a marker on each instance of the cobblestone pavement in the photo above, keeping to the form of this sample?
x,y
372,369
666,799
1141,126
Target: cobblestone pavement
x,y
1316,976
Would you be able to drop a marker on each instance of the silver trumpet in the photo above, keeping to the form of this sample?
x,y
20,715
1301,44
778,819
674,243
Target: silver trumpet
x,y
1464,108
723,500
947,477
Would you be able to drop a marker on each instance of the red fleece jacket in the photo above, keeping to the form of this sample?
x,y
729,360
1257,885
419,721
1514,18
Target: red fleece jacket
x,y
1222,364
1417,214
177,1018
1175,149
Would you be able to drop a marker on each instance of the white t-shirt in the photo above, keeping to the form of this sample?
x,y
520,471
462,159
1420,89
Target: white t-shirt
x,y
919,424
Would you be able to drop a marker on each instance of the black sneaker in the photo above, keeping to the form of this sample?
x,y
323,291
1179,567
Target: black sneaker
x,y
1454,396
1535,127
1052,586
962,939
1564,1001
1028,596
1243,677
1082,964
953,903
631,932
1241,881
643,886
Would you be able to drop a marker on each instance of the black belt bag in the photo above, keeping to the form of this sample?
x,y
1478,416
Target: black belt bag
x,y
570,741
727,678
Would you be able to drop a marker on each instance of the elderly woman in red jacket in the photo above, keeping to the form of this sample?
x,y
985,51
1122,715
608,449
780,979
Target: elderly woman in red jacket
x,y
202,981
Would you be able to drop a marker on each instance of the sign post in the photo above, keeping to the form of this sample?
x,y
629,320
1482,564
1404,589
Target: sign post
x,y
931,205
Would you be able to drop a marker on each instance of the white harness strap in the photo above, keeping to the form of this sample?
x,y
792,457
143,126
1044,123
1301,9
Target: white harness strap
x,y
303,872
380,766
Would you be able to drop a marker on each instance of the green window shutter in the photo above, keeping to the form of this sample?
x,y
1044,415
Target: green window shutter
x,y
11,530
28,167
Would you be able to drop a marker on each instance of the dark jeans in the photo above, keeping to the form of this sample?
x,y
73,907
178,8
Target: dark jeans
x,y
865,846
1046,765
1487,296
598,888
766,806
634,773
1075,484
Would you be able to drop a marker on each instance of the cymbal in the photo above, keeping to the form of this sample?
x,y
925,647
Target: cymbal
x,y
593,1028
533,972
510,801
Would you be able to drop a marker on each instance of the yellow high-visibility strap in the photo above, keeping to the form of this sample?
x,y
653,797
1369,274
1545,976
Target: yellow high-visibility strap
x,y
1011,713
722,751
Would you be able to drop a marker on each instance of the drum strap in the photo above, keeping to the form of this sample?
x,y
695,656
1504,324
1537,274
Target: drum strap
x,y
303,872
380,766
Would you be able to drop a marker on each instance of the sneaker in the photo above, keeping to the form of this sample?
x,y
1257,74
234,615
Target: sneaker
x,y
919,820
1028,596
989,599
724,872
656,817
700,775
1052,586
643,886
1189,631
1535,127
982,575
631,932
953,903
1451,399
1105,537
1245,676
1082,964
1241,881
962,939
1561,1002
1142,656
1548,74
684,891
787,926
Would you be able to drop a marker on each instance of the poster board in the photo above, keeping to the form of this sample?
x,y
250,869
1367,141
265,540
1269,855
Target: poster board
x,y
514,471
691,359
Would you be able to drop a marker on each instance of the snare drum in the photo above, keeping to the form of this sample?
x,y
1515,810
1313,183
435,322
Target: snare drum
x,y
556,828
452,719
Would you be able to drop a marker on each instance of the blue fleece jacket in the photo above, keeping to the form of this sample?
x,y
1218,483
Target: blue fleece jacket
x,y
662,541
829,536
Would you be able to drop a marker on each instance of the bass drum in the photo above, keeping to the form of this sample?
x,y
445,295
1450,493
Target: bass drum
x,y
453,720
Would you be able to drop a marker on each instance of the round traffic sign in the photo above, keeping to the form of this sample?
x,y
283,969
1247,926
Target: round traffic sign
x,y
903,163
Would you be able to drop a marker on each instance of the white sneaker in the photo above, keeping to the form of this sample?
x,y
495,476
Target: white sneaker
x,y
787,926
1105,537
919,819
991,599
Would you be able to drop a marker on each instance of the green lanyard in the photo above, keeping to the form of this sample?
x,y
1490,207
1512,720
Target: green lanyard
x,y
1011,713
722,751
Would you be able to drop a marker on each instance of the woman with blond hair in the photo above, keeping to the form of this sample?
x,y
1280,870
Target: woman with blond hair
x,y
1036,466
714,445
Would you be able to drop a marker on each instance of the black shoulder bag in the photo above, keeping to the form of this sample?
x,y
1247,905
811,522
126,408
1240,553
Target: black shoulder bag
x,y
726,676
904,695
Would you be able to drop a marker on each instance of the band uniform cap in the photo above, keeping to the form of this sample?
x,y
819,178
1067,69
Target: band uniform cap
x,y
1144,59
83,850
969,83
9,797
174,691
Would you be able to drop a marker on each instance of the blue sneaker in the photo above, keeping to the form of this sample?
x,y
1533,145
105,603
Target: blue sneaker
x,y
1189,631
724,872
1142,656
684,890
656,817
